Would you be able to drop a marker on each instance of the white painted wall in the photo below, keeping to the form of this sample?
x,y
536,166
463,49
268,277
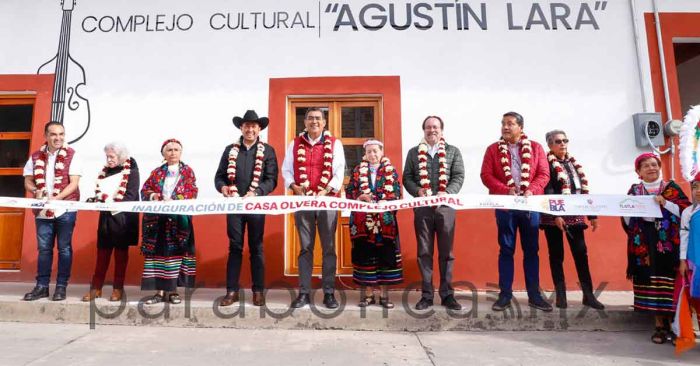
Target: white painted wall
x,y
144,87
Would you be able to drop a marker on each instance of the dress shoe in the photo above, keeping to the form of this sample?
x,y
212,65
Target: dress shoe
x,y
37,293
330,301
301,300
590,300
451,303
501,304
59,294
230,298
258,298
424,303
117,294
539,303
91,295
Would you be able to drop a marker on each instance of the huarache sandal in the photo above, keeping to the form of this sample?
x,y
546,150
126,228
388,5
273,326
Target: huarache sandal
x,y
659,336
174,298
385,303
155,299
367,301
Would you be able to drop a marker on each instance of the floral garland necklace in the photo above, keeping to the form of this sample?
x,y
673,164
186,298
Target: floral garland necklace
x,y
257,167
525,157
40,173
119,194
373,220
563,175
327,164
423,167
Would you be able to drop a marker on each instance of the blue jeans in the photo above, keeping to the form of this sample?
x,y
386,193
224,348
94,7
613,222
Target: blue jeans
x,y
58,230
510,221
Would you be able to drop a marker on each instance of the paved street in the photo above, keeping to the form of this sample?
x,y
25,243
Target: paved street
x,y
57,344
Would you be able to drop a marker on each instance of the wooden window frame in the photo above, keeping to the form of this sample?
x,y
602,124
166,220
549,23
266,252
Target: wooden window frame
x,y
335,105
16,99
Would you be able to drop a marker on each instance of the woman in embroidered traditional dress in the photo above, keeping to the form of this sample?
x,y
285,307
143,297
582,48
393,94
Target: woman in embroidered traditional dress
x,y
653,244
116,231
168,240
376,254
566,176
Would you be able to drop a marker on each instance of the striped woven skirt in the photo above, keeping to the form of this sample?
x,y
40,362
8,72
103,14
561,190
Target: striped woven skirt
x,y
375,265
656,296
168,273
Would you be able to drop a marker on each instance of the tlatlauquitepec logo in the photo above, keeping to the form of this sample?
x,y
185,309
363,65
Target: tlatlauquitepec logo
x,y
631,204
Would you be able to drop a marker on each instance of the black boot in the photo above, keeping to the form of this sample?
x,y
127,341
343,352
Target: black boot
x,y
560,291
589,299
37,293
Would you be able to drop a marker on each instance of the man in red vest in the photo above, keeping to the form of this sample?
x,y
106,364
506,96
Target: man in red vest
x,y
314,165
52,173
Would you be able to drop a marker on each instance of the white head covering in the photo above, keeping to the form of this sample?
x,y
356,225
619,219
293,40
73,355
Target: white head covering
x,y
372,142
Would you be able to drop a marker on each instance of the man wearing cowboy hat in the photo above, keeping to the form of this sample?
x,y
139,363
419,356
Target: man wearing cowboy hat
x,y
247,168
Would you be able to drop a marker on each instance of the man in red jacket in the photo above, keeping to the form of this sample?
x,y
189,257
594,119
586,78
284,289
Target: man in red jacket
x,y
514,165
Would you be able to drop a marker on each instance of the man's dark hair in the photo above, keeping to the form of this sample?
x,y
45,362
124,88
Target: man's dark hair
x,y
442,124
518,118
51,123
314,109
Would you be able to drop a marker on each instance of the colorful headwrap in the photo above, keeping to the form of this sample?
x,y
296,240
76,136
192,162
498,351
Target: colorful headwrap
x,y
169,141
372,142
638,161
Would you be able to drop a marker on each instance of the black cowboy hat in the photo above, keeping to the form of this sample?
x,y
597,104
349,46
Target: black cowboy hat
x,y
251,116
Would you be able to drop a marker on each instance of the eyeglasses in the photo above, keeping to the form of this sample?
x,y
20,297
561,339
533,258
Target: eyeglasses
x,y
314,118
562,141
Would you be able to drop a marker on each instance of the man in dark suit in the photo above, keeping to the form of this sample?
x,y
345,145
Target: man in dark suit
x,y
248,168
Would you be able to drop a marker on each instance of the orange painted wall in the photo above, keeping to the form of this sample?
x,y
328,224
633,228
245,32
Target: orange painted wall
x,y
475,243
672,25
476,249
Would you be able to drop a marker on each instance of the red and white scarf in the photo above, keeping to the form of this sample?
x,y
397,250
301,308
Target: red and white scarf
x,y
257,168
563,175
121,190
423,167
525,158
40,174
373,220
327,165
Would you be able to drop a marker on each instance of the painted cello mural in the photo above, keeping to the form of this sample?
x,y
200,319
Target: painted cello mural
x,y
70,77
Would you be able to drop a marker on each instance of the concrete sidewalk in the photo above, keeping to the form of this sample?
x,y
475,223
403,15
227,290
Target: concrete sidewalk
x,y
67,344
201,311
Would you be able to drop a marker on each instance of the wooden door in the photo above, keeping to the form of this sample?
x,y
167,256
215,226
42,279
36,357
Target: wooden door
x,y
16,114
353,120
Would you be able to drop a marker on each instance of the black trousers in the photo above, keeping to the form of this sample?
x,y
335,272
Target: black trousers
x,y
236,226
577,243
